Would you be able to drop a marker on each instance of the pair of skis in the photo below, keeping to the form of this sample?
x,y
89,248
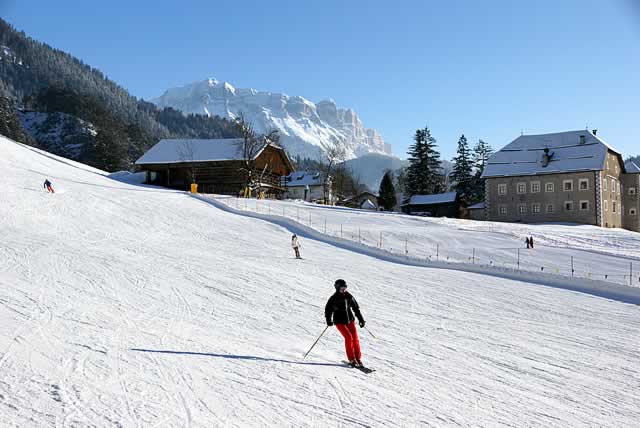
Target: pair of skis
x,y
363,369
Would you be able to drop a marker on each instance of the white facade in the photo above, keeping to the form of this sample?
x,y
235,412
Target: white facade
x,y
308,186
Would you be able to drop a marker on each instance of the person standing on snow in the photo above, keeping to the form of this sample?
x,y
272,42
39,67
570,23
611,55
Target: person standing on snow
x,y
338,312
527,242
295,244
47,185
531,242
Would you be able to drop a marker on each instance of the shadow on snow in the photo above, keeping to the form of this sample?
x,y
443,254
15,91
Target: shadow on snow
x,y
235,357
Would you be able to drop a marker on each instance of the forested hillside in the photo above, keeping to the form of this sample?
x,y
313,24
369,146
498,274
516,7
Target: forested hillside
x,y
35,77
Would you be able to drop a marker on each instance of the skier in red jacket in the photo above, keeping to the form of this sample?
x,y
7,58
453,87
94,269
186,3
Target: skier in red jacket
x,y
338,312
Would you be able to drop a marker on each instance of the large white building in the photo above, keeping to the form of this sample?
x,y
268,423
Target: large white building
x,y
569,176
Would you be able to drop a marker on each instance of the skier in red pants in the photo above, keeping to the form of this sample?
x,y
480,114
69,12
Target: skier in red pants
x,y
48,186
338,312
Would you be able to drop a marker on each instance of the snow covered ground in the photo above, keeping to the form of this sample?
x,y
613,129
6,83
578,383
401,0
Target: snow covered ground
x,y
124,305
612,255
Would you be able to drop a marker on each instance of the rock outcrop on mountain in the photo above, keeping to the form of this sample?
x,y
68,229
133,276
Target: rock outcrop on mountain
x,y
306,128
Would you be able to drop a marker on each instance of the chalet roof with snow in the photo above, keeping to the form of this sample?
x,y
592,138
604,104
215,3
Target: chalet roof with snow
x,y
632,168
439,198
570,151
175,151
304,178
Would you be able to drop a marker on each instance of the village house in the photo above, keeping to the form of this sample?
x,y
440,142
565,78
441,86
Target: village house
x,y
216,166
363,200
308,186
569,176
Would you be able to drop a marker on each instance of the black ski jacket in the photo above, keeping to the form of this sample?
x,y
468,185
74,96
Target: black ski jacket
x,y
338,309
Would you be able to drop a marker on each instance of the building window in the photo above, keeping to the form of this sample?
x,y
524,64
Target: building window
x,y
613,206
548,187
503,210
522,209
568,206
502,189
522,188
584,205
535,187
633,211
632,190
606,205
535,208
567,185
584,184
618,187
550,209
604,183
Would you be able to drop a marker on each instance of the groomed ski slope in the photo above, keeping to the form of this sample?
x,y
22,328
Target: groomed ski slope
x,y
136,306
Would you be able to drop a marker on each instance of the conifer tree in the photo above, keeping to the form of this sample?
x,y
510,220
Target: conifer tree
x,y
462,174
387,192
481,154
424,175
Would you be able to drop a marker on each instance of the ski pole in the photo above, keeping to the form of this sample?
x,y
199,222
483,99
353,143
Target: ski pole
x,y
365,327
314,343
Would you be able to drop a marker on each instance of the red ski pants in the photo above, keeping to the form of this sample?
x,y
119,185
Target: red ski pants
x,y
351,342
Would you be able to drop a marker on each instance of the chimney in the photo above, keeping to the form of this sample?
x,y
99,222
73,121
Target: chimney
x,y
583,139
545,158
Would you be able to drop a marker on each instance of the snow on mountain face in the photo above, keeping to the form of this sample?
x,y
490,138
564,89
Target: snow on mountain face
x,y
305,127
60,133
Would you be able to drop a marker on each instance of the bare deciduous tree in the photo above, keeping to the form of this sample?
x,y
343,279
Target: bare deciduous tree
x,y
187,153
251,145
333,155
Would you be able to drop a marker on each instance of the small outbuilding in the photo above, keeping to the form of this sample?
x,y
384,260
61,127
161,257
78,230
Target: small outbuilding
x,y
438,205
477,211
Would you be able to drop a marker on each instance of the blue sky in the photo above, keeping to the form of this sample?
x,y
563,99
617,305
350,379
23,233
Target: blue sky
x,y
487,69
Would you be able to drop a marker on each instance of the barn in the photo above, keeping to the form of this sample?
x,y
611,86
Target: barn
x,y
216,165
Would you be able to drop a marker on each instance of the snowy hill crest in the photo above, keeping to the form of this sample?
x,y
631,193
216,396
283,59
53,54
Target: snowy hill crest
x,y
304,126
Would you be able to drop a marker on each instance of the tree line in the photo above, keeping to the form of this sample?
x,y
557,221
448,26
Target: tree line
x,y
425,176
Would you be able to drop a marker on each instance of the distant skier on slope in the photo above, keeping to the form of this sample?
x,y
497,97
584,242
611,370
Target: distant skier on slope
x,y
295,244
338,312
47,185
528,242
531,242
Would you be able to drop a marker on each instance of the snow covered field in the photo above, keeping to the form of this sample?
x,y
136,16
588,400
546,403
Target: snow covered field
x,y
598,253
124,305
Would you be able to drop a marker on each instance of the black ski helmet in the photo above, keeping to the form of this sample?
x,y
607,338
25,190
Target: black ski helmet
x,y
339,283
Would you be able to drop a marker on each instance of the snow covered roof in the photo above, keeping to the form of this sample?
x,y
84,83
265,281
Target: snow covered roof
x,y
632,168
478,206
368,205
177,151
440,198
568,151
304,178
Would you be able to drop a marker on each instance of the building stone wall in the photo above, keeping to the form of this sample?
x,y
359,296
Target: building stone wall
x,y
612,191
569,197
631,202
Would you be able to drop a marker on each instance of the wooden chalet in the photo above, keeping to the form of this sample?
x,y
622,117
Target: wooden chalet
x,y
217,166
